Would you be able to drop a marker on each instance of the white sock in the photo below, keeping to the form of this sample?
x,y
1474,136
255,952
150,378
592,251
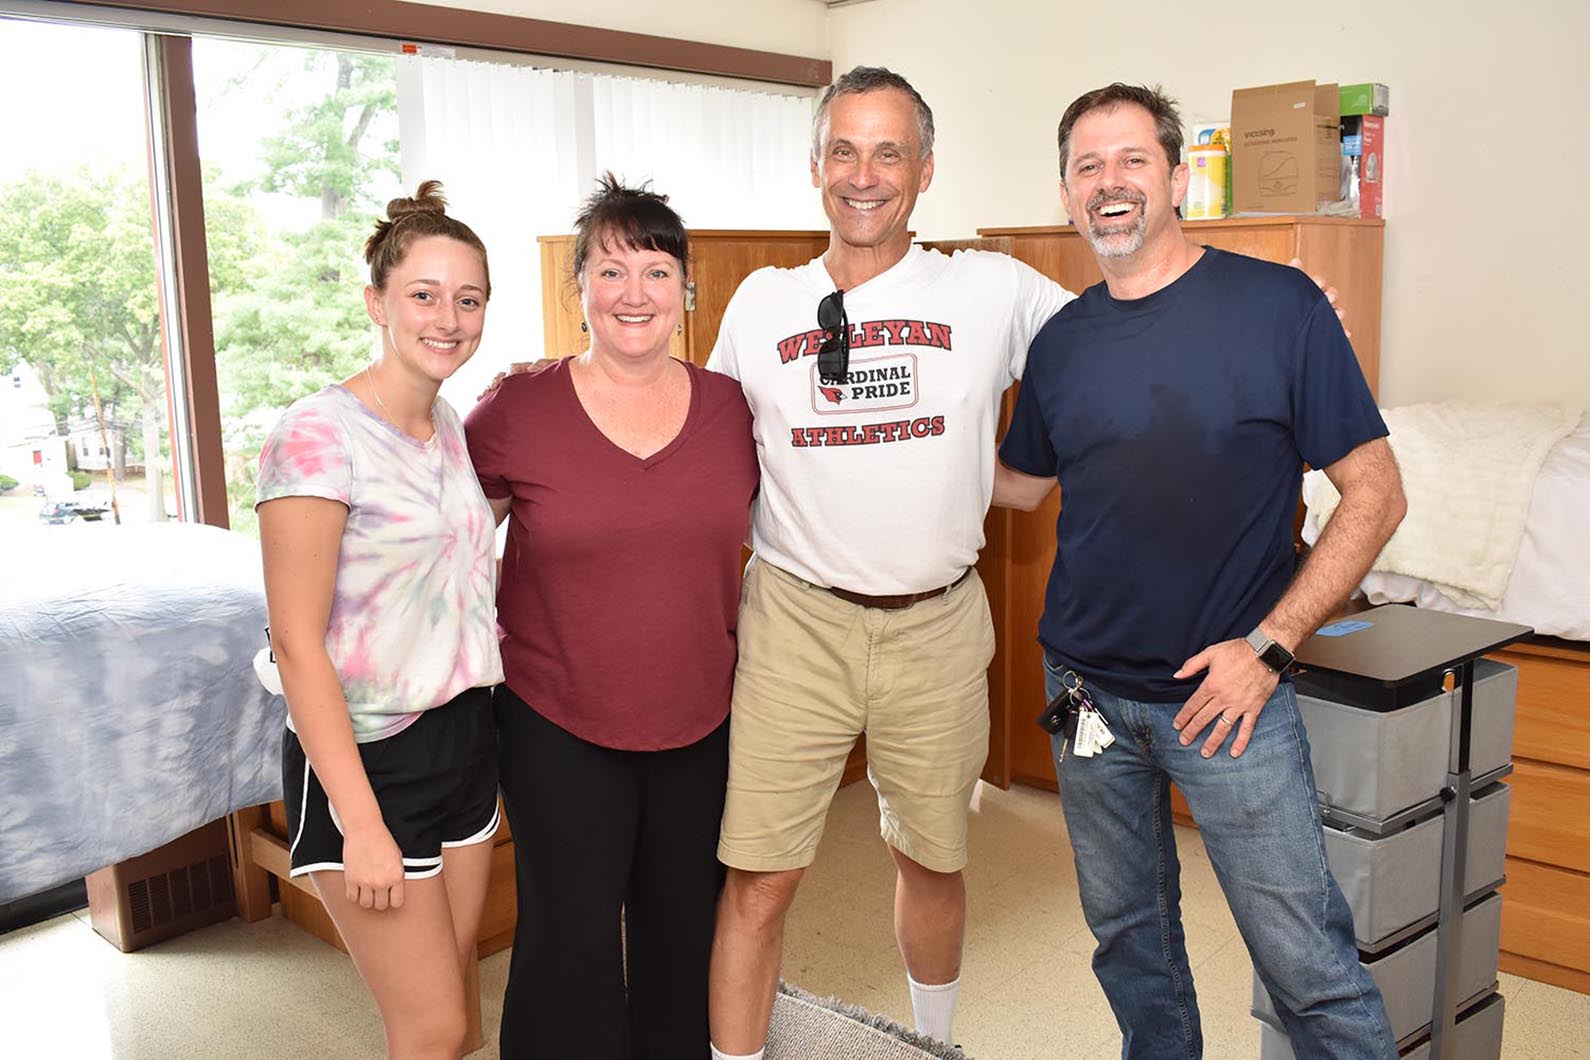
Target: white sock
x,y
719,1054
933,1007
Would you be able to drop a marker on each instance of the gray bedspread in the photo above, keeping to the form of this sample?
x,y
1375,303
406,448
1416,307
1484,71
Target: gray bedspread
x,y
129,709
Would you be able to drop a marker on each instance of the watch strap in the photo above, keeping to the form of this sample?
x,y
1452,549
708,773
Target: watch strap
x,y
1270,653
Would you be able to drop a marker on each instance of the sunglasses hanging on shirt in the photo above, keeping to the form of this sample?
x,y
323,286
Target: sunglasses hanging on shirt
x,y
833,356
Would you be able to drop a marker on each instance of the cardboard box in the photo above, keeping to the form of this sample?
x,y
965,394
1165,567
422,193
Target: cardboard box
x,y
1286,154
1364,145
1365,99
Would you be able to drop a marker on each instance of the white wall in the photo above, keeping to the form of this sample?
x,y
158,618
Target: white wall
x,y
793,27
1488,168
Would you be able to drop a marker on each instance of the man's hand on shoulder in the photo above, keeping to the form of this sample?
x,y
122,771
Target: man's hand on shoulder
x,y
1331,294
517,368
1234,690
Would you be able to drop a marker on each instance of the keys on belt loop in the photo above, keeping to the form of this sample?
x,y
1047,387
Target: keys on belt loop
x,y
1060,717
1072,716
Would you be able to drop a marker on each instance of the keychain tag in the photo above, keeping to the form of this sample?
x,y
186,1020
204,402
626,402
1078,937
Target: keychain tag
x,y
1093,733
1102,736
1087,737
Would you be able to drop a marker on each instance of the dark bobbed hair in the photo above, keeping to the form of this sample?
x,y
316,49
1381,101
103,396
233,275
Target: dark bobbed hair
x,y
637,218
414,218
1167,120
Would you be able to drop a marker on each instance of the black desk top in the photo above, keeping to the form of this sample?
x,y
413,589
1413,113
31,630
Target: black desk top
x,y
1401,643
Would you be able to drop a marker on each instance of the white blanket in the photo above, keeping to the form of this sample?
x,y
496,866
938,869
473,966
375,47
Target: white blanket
x,y
1550,586
1468,472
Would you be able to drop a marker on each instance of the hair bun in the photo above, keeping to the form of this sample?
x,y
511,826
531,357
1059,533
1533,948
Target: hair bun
x,y
428,199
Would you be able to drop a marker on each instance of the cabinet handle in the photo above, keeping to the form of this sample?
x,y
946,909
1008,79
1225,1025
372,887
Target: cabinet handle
x,y
690,296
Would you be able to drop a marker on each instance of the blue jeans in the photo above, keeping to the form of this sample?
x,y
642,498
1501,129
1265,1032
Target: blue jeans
x,y
1259,819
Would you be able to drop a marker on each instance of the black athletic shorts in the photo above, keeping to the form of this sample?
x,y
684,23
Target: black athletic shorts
x,y
436,784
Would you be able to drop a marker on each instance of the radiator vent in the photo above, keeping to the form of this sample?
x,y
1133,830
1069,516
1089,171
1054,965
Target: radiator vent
x,y
157,900
138,901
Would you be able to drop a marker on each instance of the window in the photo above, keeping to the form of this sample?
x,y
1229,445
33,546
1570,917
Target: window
x,y
80,325
299,150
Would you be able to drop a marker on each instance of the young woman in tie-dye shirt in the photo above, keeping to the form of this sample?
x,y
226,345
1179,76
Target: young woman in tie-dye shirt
x,y
380,566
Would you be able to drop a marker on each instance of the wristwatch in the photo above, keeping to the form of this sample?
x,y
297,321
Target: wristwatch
x,y
1269,652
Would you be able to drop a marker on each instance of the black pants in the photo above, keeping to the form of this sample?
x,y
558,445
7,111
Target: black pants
x,y
601,835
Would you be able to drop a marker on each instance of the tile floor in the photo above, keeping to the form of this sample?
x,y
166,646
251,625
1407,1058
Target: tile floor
x,y
268,990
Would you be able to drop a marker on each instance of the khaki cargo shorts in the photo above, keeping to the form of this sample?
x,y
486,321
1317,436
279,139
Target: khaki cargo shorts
x,y
815,672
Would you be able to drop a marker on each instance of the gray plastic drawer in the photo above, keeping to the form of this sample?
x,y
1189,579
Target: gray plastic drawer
x,y
1479,1036
1495,702
1406,975
1393,881
1379,763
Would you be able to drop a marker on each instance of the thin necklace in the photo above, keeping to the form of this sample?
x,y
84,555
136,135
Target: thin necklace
x,y
373,390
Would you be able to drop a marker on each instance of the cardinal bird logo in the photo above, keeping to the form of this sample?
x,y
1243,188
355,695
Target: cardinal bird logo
x,y
832,393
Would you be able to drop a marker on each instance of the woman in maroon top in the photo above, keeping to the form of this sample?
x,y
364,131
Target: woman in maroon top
x,y
629,477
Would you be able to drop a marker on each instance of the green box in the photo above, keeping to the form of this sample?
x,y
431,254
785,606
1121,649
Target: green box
x,y
1365,99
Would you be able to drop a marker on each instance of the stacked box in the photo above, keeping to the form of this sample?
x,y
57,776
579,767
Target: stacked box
x,y
1406,975
1376,762
1285,148
1365,99
1479,1036
1382,753
1363,110
1393,882
1364,147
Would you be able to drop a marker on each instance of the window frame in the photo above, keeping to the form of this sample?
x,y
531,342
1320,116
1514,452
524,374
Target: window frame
x,y
177,193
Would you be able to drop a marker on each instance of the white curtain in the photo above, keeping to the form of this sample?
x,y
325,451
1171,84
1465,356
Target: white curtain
x,y
518,148
725,158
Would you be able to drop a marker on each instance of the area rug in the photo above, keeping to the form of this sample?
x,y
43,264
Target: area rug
x,y
807,1027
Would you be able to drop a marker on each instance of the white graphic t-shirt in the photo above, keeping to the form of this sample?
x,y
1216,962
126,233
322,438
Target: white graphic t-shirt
x,y
880,486
413,616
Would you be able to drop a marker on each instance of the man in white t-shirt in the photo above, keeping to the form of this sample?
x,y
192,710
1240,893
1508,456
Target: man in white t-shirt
x,y
875,374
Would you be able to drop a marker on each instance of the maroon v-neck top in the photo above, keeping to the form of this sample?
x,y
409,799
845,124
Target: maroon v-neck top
x,y
621,577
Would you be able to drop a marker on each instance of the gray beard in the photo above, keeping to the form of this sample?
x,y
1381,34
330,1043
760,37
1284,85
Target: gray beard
x,y
1118,243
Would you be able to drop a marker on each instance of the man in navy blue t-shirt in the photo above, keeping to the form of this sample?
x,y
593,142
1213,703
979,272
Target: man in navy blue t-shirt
x,y
1176,403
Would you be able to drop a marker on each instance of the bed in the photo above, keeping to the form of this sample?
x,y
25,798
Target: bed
x,y
129,710
1498,526
1530,511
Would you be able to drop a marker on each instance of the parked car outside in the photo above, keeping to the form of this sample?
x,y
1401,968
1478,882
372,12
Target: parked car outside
x,y
56,513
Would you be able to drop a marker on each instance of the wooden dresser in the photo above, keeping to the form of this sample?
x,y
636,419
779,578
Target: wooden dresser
x,y
1546,902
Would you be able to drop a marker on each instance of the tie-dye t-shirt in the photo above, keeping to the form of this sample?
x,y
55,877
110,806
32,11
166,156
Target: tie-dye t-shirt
x,y
412,619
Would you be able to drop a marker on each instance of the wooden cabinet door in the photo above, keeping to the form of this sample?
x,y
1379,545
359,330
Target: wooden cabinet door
x,y
560,301
719,260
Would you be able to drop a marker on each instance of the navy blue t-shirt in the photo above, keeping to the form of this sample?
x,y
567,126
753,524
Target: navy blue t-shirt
x,y
1178,425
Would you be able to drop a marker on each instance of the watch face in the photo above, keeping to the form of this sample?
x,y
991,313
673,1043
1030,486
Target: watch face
x,y
1269,652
